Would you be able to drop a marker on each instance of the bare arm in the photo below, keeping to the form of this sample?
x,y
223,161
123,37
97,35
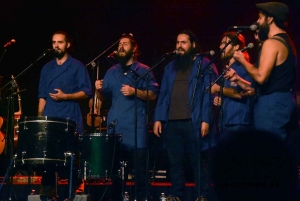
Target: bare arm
x,y
229,92
267,61
42,103
234,77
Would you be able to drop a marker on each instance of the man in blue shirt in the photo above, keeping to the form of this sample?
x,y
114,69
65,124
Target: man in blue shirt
x,y
236,107
117,86
63,81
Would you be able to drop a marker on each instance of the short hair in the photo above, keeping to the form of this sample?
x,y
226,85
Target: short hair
x,y
67,37
133,43
237,39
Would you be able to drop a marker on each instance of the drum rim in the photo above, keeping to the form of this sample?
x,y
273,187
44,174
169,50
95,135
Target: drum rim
x,y
45,119
98,134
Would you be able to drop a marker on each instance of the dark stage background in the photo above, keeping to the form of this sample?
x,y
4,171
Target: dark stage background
x,y
95,25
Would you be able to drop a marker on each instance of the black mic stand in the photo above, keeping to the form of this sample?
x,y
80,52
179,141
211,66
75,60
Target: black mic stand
x,y
102,53
200,74
198,141
139,77
3,55
93,64
10,122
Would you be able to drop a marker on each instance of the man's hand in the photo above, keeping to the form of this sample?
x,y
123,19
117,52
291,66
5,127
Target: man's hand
x,y
58,96
231,75
204,129
217,101
127,90
248,91
239,56
157,128
99,84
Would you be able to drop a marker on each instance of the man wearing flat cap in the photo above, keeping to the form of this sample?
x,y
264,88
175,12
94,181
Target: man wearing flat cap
x,y
275,109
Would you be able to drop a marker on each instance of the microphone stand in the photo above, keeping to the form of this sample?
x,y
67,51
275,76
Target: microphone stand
x,y
3,54
198,139
161,59
201,74
20,74
139,77
10,119
102,53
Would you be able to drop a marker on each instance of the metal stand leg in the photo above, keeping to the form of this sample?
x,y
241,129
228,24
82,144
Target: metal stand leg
x,y
7,172
71,177
122,175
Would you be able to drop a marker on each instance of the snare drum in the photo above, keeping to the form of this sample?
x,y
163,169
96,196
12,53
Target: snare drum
x,y
44,140
99,155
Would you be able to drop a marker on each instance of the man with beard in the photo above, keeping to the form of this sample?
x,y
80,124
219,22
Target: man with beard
x,y
117,86
275,109
236,110
63,81
183,110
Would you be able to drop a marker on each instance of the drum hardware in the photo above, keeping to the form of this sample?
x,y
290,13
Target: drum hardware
x,y
98,154
14,158
67,128
67,154
25,128
23,154
45,140
121,171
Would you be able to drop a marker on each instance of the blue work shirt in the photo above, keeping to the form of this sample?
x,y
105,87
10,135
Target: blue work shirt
x,y
122,111
71,77
237,111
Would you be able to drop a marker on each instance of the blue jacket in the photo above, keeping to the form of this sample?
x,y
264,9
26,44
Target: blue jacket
x,y
201,105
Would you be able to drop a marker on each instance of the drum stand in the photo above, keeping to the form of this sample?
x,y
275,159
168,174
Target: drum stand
x,y
122,174
7,172
69,154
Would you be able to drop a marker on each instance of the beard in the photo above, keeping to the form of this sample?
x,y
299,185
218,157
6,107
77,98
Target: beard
x,y
183,61
226,56
59,54
263,31
124,59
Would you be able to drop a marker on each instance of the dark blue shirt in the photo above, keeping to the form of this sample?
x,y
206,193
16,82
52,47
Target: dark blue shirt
x,y
122,111
71,77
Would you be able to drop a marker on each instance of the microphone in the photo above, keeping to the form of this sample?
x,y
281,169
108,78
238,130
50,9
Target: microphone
x,y
112,124
249,46
208,53
252,27
113,54
50,51
12,41
171,53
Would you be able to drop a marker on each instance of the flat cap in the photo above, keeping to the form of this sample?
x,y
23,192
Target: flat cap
x,y
275,9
